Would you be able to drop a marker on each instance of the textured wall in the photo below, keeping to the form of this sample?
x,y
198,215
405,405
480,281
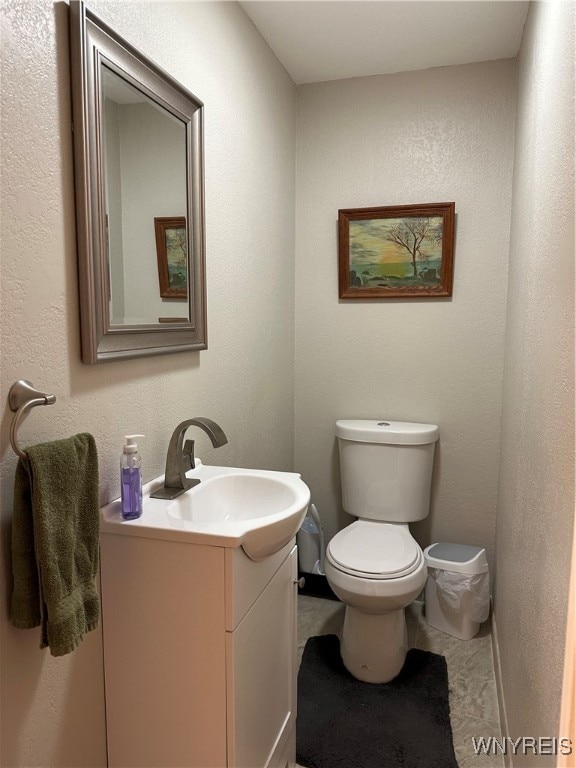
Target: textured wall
x,y
429,136
536,495
53,709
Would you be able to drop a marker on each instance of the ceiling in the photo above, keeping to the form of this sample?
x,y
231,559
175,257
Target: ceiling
x,y
318,40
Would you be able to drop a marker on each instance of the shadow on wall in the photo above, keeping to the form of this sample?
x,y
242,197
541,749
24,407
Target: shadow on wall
x,y
48,694
80,713
343,518
83,721
422,530
52,708
6,503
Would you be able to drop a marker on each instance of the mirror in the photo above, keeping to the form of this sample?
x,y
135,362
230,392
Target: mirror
x,y
139,199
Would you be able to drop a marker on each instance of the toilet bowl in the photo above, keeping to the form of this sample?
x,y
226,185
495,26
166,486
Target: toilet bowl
x,y
374,565
377,569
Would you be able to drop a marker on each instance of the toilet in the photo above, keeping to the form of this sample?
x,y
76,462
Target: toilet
x,y
374,565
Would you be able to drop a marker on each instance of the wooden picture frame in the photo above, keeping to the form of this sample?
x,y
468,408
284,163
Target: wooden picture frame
x,y
171,250
402,251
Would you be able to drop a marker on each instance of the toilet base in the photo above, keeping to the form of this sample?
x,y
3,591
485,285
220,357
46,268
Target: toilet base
x,y
374,646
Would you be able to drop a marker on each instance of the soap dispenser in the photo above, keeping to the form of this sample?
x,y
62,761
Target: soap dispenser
x,y
131,479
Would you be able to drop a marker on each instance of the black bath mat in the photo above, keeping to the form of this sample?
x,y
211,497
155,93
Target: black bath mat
x,y
345,723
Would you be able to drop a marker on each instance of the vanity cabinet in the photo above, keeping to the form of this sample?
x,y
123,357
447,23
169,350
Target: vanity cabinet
x,y
199,654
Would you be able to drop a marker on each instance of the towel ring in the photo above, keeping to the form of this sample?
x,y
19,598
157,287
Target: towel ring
x,y
22,397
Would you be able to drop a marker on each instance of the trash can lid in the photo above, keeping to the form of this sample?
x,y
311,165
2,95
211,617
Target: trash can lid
x,y
460,558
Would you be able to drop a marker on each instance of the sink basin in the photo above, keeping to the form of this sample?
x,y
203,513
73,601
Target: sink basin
x,y
238,496
259,510
268,508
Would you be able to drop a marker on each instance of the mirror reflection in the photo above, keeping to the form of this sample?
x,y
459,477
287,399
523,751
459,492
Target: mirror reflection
x,y
144,149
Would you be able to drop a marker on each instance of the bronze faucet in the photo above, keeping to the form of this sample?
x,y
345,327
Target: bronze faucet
x,y
180,457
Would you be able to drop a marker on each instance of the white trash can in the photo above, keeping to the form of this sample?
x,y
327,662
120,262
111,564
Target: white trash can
x,y
458,589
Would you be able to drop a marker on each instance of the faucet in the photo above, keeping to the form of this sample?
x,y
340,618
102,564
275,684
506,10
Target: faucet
x,y
180,457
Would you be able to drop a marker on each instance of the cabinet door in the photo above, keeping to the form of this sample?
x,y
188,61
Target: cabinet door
x,y
164,652
261,672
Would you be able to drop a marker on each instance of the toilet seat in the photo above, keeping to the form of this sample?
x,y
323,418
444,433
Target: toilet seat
x,y
374,550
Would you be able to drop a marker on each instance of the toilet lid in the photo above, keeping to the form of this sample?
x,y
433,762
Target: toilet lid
x,y
375,550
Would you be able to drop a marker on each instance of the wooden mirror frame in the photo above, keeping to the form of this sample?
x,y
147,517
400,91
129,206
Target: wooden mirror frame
x,y
92,44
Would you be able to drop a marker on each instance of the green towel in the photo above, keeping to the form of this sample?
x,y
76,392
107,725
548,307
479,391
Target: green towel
x,y
55,532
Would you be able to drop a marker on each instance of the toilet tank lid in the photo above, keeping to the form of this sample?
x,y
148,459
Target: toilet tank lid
x,y
385,431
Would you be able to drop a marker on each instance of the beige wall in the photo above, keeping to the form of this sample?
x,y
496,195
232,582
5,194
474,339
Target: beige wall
x,y
429,136
53,709
536,494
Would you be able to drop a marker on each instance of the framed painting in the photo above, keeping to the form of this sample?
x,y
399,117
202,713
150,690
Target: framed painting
x,y
403,251
172,253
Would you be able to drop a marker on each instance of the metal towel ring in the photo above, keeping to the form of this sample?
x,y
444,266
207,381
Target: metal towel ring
x,y
22,397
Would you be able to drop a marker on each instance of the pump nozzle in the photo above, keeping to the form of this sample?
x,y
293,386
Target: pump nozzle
x,y
131,445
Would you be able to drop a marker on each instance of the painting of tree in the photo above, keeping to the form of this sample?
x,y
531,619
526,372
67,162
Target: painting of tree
x,y
412,235
399,251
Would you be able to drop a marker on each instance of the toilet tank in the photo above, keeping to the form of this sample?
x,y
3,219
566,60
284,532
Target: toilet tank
x,y
386,468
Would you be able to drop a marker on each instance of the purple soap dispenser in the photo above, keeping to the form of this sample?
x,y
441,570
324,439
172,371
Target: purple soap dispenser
x,y
131,479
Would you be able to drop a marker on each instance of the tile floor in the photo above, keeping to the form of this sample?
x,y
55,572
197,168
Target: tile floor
x,y
473,701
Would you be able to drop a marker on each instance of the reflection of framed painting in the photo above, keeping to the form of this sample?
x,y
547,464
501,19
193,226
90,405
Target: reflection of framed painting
x,y
404,251
172,253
